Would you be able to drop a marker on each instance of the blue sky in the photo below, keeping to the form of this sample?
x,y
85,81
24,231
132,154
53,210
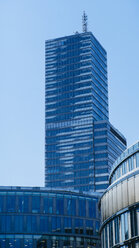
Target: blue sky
x,y
24,27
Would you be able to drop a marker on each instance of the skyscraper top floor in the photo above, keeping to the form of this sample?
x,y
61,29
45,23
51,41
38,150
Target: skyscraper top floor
x,y
76,38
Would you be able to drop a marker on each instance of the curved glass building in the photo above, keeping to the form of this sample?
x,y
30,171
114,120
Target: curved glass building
x,y
120,202
40,217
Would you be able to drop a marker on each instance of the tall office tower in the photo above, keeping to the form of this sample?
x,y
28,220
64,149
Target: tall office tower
x,y
80,143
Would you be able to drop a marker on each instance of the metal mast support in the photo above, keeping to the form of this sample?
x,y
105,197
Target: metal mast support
x,y
84,21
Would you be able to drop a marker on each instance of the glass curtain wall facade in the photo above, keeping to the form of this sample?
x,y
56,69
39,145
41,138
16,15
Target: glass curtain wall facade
x,y
120,203
108,145
30,217
76,97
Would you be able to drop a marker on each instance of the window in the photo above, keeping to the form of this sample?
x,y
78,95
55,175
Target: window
x,y
35,204
89,227
67,225
10,206
56,224
82,207
23,204
9,223
116,225
137,159
44,224
48,205
60,205
18,224
79,226
1,203
111,233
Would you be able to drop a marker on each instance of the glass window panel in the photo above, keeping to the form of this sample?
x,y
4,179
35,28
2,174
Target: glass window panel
x,y
56,224
73,206
2,243
82,207
60,205
28,243
23,204
28,225
137,217
122,228
89,227
67,225
97,226
10,204
1,203
50,205
44,224
2,223
18,243
69,206
106,237
35,204
34,224
9,223
18,221
46,205
133,222
137,159
116,225
126,225
129,164
11,243
111,233
79,226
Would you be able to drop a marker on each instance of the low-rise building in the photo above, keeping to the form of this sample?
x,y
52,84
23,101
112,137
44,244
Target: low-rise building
x,y
120,202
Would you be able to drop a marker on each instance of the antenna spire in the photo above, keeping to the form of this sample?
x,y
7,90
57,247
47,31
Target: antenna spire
x,y
84,22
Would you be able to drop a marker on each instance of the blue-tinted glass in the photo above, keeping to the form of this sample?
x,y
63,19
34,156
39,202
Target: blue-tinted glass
x,y
111,233
56,224
9,223
10,204
11,242
92,208
26,203
23,204
82,207
106,236
34,224
20,203
59,205
79,227
35,204
76,98
73,206
67,225
130,164
97,227
137,159
28,226
116,225
2,223
1,203
28,243
18,243
89,227
44,224
45,204
2,243
69,206
126,225
18,221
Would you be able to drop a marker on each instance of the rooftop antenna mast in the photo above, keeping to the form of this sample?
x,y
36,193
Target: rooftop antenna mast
x,y
84,22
